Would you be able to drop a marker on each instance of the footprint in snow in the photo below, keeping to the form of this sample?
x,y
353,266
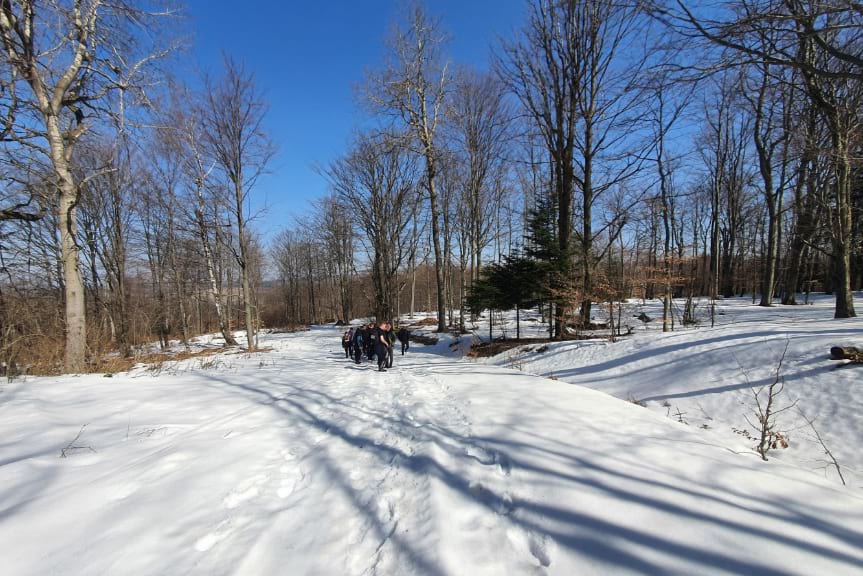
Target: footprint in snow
x,y
480,454
504,464
540,549
501,504
386,509
540,546
490,458
204,543
244,492
293,480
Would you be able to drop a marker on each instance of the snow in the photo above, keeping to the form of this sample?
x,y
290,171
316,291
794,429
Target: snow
x,y
297,461
708,375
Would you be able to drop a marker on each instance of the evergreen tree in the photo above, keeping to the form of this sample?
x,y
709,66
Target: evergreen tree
x,y
543,249
511,284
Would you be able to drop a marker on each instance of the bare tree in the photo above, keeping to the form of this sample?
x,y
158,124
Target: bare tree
x,y
106,204
66,60
413,87
823,41
768,32
336,230
665,112
724,151
155,222
186,129
285,252
377,181
162,216
237,142
806,206
769,97
839,103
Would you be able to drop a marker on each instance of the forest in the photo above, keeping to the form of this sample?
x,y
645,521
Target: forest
x,y
610,150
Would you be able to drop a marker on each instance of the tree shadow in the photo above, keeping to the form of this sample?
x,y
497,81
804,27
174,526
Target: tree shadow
x,y
650,352
576,469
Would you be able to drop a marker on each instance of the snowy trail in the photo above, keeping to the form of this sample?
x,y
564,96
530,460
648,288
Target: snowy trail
x,y
299,462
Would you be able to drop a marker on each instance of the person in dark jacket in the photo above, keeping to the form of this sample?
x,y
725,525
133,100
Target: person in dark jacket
x,y
370,340
348,342
404,336
358,343
382,346
391,343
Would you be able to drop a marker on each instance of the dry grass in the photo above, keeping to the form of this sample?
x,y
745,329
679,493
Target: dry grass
x,y
35,355
252,351
113,364
161,357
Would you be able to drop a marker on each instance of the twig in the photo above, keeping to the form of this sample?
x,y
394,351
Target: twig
x,y
766,414
71,445
827,451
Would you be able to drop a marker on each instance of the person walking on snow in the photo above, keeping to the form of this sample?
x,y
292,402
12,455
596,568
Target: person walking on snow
x,y
358,343
370,340
391,341
404,336
348,342
381,346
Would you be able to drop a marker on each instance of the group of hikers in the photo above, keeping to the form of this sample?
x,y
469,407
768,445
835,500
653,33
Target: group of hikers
x,y
374,341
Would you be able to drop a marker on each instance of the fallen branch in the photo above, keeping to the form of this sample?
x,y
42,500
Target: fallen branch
x,y
827,451
71,445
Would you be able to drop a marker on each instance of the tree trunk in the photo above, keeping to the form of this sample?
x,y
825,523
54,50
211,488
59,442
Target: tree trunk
x,y
221,313
587,228
76,326
842,233
517,322
438,252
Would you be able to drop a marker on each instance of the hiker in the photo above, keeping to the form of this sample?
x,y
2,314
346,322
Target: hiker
x,y
404,336
382,349
348,342
369,340
391,341
358,344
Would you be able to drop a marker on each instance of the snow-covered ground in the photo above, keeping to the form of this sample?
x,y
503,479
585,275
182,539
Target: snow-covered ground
x,y
706,377
297,461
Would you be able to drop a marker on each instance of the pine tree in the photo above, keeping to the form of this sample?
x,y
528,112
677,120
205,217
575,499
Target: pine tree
x,y
543,249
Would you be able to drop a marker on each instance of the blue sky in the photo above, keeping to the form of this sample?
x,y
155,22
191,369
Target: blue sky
x,y
308,57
